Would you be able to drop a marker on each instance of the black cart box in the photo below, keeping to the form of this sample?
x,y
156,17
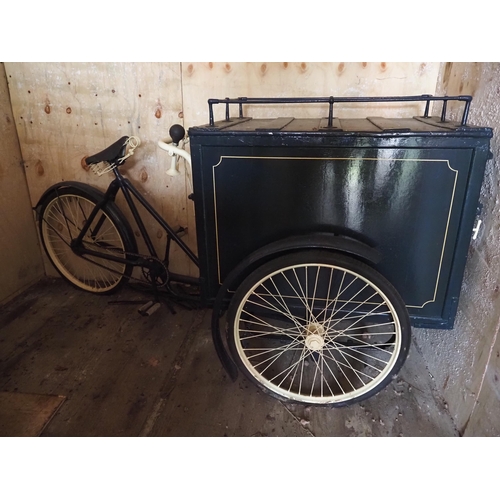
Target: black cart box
x,y
408,187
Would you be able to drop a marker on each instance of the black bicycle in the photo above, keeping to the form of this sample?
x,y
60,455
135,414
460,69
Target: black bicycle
x,y
89,240
306,321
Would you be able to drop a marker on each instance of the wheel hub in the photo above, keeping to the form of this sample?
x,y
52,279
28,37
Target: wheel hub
x,y
315,336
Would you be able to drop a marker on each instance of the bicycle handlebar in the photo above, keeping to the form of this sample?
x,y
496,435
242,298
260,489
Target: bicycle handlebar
x,y
174,150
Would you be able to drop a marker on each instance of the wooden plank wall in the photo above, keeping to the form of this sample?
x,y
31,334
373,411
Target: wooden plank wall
x,y
64,111
20,262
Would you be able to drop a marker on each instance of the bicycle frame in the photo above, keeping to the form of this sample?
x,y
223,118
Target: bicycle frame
x,y
122,184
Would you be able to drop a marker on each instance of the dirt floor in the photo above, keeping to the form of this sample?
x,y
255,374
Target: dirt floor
x,y
122,374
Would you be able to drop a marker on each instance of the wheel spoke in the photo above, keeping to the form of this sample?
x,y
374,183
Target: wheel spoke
x,y
358,320
358,359
323,378
260,321
348,365
274,359
302,297
293,367
329,325
283,302
270,307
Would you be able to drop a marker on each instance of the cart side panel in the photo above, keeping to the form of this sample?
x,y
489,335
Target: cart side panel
x,y
413,198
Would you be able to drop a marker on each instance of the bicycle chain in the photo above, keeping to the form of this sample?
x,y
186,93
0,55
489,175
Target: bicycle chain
x,y
149,258
131,278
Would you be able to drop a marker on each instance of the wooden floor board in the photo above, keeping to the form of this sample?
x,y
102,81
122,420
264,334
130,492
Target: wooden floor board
x,y
123,374
26,415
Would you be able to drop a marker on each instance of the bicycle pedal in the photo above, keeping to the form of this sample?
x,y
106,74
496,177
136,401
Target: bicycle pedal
x,y
149,308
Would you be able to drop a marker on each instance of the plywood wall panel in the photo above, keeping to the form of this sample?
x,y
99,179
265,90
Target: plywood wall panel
x,y
20,262
66,111
202,81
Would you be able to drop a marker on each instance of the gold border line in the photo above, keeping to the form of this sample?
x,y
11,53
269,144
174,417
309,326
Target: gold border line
x,y
325,158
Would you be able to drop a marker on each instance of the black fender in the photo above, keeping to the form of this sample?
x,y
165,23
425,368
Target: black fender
x,y
323,241
94,193
61,186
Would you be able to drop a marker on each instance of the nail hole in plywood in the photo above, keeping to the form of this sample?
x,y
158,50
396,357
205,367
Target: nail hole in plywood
x,y
190,69
383,66
144,175
159,234
263,69
181,114
210,65
227,67
285,65
68,110
47,107
303,67
340,68
364,64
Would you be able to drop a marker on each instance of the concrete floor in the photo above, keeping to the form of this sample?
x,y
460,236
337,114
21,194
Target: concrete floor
x,y
127,375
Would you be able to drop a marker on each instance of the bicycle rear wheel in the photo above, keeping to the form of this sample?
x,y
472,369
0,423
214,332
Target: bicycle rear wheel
x,y
62,216
318,328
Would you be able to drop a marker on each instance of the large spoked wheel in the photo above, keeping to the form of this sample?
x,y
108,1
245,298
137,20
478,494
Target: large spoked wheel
x,y
62,216
318,327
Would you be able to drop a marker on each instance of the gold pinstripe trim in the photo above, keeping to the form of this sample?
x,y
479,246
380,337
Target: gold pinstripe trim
x,y
447,162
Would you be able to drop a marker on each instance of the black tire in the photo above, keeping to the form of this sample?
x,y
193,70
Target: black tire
x,y
61,217
318,328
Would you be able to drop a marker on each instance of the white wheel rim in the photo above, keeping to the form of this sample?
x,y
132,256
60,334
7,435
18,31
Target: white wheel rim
x,y
319,361
63,218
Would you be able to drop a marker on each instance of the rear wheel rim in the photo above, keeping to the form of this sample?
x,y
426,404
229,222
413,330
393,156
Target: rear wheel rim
x,y
333,337
62,220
